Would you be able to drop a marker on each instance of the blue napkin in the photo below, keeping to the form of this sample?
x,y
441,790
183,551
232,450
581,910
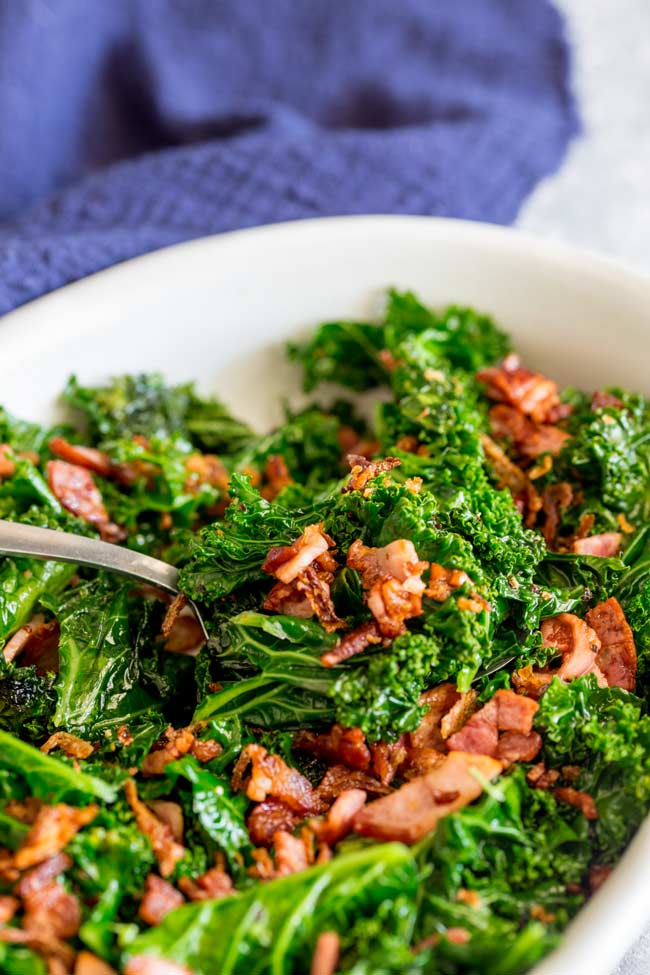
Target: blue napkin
x,y
131,124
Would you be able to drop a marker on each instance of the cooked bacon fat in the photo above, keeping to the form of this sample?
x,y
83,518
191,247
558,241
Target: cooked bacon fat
x,y
530,392
392,578
362,470
166,850
416,807
605,546
616,657
339,817
271,776
326,953
52,830
345,746
160,897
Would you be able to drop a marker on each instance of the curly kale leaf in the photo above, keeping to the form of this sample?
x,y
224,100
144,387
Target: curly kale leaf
x,y
49,778
606,733
27,702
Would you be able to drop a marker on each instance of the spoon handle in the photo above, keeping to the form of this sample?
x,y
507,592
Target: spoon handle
x,y
45,543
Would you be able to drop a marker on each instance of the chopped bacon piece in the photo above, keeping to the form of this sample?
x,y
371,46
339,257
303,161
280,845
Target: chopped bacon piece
x,y
276,475
37,642
506,711
8,907
186,636
178,603
166,850
339,817
442,581
75,488
362,471
515,713
214,884
89,964
171,814
392,577
290,854
539,777
530,392
582,800
458,714
271,776
528,438
605,546
205,469
267,818
556,498
439,700
69,744
204,750
387,757
513,746
354,642
601,399
525,494
89,457
531,682
7,466
597,876
305,571
480,735
52,911
345,746
151,965
52,830
338,779
159,898
326,953
40,876
415,809
24,810
170,746
617,655
578,644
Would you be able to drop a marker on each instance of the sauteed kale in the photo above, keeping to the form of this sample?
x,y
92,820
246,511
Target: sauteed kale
x,y
417,740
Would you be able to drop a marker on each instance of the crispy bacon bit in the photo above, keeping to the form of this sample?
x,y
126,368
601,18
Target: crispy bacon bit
x,y
415,809
362,471
205,750
75,488
151,965
124,736
186,636
605,545
513,746
458,714
556,498
522,489
267,818
439,700
354,642
600,399
597,876
8,907
50,910
37,641
178,603
326,953
617,655
443,581
345,746
392,577
170,746
166,850
582,800
528,438
69,744
530,392
160,897
387,757
89,457
338,778
40,876
531,682
214,884
305,571
339,817
624,524
205,469
506,711
290,854
539,777
52,830
7,466
271,776
577,642
276,475
89,964
171,814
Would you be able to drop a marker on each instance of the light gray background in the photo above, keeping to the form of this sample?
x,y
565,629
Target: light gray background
x,y
601,197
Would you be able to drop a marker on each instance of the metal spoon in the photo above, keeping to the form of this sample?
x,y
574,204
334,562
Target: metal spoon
x,y
56,546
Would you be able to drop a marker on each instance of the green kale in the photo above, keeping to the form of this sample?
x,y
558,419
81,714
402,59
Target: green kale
x,y
27,701
49,778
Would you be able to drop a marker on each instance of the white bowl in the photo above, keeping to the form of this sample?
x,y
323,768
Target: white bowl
x,y
220,309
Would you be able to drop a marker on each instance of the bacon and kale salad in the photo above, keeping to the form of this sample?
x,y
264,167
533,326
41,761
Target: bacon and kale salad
x,y
417,740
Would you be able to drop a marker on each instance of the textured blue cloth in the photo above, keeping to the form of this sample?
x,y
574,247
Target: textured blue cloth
x,y
131,124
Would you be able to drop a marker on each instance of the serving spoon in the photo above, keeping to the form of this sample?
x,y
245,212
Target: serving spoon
x,y
47,543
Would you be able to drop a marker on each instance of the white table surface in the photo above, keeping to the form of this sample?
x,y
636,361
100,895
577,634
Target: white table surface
x,y
600,199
